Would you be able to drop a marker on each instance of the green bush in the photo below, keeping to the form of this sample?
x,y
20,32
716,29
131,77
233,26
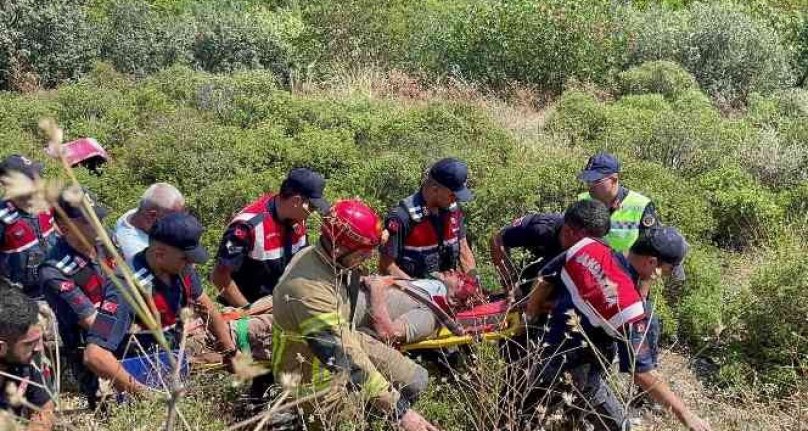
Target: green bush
x,y
705,303
44,43
578,116
227,41
660,77
540,43
746,214
729,53
140,41
776,341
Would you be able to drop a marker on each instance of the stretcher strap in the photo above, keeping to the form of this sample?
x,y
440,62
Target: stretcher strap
x,y
242,330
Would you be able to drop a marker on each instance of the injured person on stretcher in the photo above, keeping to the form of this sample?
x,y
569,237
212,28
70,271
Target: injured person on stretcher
x,y
408,311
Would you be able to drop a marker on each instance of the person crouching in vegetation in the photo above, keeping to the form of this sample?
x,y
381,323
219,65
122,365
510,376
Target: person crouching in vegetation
x,y
71,279
165,270
22,386
595,310
313,336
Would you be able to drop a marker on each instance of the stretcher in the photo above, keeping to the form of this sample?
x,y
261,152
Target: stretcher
x,y
487,322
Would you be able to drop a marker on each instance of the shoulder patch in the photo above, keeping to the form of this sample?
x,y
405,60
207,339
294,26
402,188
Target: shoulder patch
x,y
66,286
393,225
518,222
240,232
110,307
648,220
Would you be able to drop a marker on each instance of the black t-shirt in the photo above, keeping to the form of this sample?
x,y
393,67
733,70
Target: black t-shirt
x,y
538,234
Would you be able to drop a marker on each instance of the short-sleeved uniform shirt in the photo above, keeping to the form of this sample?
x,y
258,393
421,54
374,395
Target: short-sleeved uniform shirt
x,y
31,386
538,234
258,245
420,322
115,315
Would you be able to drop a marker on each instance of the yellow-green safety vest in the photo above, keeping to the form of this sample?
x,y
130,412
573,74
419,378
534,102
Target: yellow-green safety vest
x,y
625,221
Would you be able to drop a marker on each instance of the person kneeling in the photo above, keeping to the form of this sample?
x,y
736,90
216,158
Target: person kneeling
x,y
165,270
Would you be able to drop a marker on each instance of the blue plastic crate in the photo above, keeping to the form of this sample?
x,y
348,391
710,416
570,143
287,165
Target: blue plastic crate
x,y
154,369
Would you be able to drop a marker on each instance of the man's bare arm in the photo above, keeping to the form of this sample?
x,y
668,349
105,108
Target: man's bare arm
x,y
221,277
660,391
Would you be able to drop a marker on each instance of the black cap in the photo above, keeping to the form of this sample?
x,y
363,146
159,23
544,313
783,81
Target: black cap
x,y
599,166
181,230
452,174
74,211
667,244
310,185
22,164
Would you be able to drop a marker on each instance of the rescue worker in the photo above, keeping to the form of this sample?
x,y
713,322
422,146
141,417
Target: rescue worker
x,y
72,278
165,269
539,234
312,334
427,230
132,228
25,237
20,338
631,212
263,237
594,307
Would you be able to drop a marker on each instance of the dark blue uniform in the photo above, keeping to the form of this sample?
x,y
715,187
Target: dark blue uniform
x,y
116,316
25,240
581,352
30,385
538,234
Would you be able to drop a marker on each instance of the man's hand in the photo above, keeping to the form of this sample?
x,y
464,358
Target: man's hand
x,y
695,423
412,421
377,283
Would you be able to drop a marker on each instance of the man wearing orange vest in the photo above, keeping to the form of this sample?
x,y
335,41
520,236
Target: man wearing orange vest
x,y
25,237
263,237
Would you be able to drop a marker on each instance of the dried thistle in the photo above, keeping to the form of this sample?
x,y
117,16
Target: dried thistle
x,y
13,396
573,321
290,381
54,135
245,369
28,194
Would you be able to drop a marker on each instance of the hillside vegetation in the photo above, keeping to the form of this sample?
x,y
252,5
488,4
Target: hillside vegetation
x,y
704,103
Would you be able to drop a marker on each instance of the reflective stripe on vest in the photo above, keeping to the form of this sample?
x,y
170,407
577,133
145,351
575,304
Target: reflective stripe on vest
x,y
268,234
625,221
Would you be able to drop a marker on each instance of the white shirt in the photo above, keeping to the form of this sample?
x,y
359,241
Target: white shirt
x,y
130,239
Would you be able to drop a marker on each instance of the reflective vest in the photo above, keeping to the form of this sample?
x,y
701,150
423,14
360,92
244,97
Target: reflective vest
x,y
430,246
168,310
87,275
26,239
269,252
625,220
600,288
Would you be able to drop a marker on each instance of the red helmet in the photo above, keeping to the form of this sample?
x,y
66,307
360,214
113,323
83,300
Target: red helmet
x,y
352,225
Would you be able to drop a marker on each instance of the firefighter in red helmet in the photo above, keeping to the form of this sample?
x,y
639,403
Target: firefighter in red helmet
x,y
313,339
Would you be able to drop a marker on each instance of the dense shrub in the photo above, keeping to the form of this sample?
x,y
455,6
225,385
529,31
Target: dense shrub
x,y
660,77
139,40
540,43
746,213
44,43
728,52
776,340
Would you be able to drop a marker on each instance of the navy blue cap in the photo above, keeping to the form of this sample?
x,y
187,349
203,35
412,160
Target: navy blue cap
x,y
667,244
180,230
310,185
452,174
22,164
599,166
74,212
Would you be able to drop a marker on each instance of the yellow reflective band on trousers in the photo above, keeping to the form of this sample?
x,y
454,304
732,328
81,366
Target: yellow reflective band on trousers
x,y
282,339
625,221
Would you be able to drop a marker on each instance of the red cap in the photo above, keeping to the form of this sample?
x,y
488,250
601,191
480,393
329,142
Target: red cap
x,y
352,225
